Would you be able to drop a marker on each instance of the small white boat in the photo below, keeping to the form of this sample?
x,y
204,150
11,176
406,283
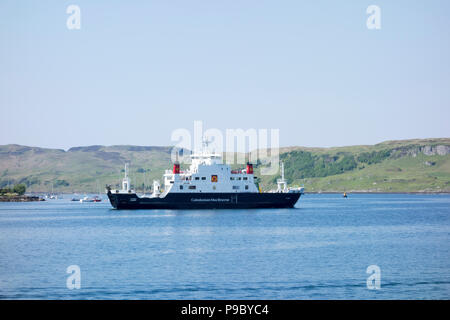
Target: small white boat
x,y
94,199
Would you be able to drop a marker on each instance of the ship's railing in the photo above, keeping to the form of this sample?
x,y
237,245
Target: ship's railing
x,y
170,172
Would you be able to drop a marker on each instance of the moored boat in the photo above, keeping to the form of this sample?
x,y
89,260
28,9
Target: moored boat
x,y
93,199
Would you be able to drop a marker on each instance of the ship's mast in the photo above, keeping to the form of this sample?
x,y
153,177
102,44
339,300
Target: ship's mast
x,y
126,180
282,185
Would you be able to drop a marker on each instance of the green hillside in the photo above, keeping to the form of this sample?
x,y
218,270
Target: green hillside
x,y
80,169
392,166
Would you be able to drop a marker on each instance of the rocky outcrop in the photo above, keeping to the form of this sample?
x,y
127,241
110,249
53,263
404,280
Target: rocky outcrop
x,y
413,151
433,150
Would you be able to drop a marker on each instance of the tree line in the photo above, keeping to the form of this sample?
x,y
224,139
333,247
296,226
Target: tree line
x,y
303,164
17,189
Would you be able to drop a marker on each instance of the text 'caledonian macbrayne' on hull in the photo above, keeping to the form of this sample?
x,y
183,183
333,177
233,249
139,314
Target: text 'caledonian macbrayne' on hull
x,y
207,184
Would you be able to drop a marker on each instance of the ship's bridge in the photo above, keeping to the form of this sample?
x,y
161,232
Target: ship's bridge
x,y
206,159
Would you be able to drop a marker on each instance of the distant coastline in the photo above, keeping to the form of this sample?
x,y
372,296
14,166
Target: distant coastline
x,y
40,194
419,166
379,192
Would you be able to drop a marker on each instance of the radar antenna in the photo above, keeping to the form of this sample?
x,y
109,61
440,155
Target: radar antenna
x,y
205,144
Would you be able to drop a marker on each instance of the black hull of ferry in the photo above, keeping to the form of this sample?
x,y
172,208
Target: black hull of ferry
x,y
205,201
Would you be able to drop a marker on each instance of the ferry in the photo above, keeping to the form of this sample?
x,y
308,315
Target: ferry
x,y
207,184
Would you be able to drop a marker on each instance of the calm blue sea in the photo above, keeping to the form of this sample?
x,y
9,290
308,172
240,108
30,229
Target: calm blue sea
x,y
319,250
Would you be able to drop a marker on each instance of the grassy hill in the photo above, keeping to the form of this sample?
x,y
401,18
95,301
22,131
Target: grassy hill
x,y
392,166
80,169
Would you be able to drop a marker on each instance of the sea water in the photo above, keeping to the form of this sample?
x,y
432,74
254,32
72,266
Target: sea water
x,y
321,249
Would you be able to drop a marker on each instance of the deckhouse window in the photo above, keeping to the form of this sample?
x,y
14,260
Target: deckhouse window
x,y
192,187
235,187
203,178
245,178
246,187
181,187
197,178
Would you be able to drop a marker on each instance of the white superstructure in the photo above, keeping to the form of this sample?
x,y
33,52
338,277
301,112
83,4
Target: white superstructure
x,y
207,173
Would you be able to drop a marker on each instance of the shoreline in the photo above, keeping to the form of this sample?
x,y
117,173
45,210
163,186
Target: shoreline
x,y
377,192
20,198
37,194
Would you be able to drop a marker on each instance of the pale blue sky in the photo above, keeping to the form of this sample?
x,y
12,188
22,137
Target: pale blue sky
x,y
137,70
